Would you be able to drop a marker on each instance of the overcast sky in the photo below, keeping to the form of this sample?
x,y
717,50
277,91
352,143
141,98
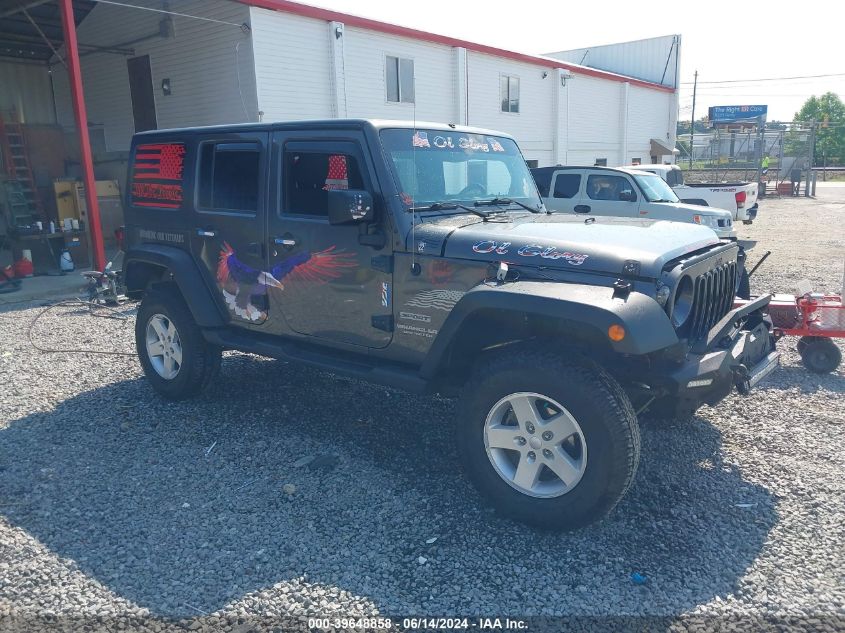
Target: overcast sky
x,y
757,40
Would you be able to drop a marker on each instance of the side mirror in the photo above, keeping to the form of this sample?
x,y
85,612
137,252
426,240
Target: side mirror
x,y
350,206
627,196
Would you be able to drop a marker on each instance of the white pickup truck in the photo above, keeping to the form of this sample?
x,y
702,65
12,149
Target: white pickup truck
x,y
740,198
624,192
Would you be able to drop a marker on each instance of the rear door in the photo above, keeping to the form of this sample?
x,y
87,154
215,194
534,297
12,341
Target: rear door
x,y
332,286
610,193
229,236
565,190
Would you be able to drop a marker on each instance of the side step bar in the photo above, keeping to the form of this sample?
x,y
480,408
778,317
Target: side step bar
x,y
370,370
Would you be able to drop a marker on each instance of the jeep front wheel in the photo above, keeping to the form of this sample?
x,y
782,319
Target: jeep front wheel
x,y
550,442
175,357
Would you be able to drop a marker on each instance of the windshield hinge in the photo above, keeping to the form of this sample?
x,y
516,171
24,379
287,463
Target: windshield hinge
x,y
383,263
621,287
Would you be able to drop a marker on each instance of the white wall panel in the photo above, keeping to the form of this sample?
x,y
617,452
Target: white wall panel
x,y
533,127
434,71
595,120
648,118
293,66
655,59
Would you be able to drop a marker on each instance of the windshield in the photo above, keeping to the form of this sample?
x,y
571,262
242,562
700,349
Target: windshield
x,y
655,188
435,166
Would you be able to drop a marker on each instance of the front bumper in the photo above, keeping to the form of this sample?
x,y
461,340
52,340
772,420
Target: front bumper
x,y
752,213
739,351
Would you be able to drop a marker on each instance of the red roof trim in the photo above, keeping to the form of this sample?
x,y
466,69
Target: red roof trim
x,y
392,29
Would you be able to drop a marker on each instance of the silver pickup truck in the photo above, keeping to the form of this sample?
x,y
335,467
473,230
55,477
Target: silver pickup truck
x,y
623,192
740,198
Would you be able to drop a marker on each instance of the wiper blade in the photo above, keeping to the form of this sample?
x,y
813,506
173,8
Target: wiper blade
x,y
440,206
505,202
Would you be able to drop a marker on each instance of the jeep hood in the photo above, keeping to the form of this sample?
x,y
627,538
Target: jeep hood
x,y
600,244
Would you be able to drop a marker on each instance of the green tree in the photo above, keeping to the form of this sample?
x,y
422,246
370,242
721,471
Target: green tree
x,y
702,126
828,111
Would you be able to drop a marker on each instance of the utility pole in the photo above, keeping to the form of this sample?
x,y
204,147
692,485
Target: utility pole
x,y
692,118
811,146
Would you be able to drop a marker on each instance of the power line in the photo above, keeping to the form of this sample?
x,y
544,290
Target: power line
x,y
736,81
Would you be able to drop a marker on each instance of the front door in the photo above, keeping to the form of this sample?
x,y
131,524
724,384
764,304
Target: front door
x,y
229,234
608,193
332,286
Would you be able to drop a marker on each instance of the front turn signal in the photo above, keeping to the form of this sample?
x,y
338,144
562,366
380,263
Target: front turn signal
x,y
616,333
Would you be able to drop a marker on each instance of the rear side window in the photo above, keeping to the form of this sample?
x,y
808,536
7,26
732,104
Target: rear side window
x,y
674,177
228,177
157,172
310,175
567,185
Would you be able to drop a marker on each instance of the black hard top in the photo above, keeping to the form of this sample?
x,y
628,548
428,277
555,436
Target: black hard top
x,y
323,124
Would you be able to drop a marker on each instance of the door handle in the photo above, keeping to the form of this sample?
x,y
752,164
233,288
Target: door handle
x,y
206,233
285,241
582,208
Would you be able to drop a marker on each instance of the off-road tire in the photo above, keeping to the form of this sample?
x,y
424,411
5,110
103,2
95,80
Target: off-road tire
x,y
200,360
601,409
819,354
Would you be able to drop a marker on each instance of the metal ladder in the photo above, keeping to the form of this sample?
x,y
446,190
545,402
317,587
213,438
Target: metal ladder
x,y
16,161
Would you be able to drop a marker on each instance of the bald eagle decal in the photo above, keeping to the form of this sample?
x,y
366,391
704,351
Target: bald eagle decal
x,y
241,283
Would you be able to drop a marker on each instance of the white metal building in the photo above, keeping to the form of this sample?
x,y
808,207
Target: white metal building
x,y
278,60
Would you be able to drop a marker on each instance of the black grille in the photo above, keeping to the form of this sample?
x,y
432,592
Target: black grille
x,y
713,297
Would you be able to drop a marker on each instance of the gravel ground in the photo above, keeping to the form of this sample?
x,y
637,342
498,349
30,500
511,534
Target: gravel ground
x,y
116,504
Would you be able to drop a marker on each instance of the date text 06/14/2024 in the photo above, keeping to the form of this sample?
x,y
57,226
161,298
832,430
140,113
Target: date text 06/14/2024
x,y
419,623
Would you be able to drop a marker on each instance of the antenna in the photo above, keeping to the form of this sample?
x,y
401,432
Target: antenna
x,y
414,269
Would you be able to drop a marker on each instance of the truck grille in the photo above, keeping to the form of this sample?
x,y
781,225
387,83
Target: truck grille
x,y
713,297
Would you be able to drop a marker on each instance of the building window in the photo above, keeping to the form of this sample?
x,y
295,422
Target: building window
x,y
636,161
400,79
532,164
601,162
509,87
228,177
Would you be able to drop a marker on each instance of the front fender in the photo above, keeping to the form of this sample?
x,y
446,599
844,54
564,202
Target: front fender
x,y
184,272
592,307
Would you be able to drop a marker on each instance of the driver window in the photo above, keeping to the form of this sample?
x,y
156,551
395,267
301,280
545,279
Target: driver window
x,y
607,187
309,176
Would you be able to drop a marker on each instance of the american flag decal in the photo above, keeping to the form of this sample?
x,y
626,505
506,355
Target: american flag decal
x,y
157,175
338,177
496,146
420,140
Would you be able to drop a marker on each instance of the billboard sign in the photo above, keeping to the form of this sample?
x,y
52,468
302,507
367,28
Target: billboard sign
x,y
735,114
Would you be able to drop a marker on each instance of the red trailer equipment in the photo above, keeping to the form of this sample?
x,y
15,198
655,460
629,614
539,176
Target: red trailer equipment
x,y
817,318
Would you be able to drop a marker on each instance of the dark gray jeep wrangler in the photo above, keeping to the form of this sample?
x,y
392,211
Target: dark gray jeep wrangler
x,y
423,258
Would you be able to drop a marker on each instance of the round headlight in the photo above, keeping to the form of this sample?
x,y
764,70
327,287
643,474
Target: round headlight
x,y
663,292
682,307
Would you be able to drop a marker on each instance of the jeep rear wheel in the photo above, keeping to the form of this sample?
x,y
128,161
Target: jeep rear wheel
x,y
175,357
550,442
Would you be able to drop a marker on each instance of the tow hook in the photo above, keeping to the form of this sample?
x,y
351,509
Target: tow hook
x,y
742,379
